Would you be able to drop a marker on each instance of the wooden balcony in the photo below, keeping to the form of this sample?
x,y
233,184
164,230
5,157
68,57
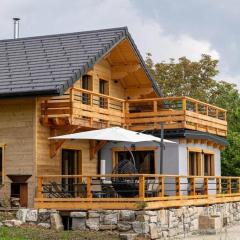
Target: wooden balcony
x,y
84,108
175,113
135,191
93,110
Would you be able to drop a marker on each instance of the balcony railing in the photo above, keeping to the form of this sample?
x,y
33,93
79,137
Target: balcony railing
x,y
175,113
132,191
85,108
94,110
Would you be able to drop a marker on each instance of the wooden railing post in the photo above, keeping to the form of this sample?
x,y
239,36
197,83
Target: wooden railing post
x,y
225,115
238,185
178,186
184,104
91,100
39,187
71,95
71,98
141,187
205,186
161,186
229,185
196,107
218,185
126,111
155,106
89,190
127,107
192,186
107,103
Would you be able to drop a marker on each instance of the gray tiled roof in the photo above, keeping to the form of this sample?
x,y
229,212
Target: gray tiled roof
x,y
49,65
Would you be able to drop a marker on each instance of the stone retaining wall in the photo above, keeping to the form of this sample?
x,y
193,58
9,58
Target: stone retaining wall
x,y
156,224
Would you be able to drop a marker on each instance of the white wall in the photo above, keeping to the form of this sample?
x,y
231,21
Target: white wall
x,y
174,161
183,166
170,159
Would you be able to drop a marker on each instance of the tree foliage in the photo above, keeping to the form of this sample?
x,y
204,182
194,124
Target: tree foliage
x,y
185,77
196,79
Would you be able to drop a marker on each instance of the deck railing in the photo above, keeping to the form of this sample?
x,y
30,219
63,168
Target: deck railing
x,y
175,113
133,191
95,110
86,108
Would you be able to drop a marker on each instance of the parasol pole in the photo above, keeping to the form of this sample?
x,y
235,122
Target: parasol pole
x,y
162,147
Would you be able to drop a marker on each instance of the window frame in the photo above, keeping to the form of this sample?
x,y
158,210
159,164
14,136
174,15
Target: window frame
x,y
211,164
105,86
198,160
90,82
137,149
86,96
79,159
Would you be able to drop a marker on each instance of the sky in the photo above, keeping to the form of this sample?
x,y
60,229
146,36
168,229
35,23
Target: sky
x,y
165,28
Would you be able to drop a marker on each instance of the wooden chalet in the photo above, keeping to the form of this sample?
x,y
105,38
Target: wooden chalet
x,y
66,83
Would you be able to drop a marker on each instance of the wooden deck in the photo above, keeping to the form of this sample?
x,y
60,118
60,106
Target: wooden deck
x,y
93,110
84,192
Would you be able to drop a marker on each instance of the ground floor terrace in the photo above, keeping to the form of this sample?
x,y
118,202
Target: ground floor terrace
x,y
133,191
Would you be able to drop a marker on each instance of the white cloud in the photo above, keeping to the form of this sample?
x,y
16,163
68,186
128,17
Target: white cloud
x,y
58,16
229,78
152,38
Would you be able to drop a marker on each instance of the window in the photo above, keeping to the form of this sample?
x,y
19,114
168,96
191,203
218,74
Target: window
x,y
103,89
209,166
87,85
194,163
71,162
145,162
71,165
1,164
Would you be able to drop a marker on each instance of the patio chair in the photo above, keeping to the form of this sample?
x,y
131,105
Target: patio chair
x,y
97,190
199,187
56,190
152,188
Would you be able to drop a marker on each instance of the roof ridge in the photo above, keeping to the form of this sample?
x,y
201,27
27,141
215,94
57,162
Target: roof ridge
x,y
125,28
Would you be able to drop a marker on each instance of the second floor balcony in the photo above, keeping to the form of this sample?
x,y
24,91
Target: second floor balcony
x,y
92,110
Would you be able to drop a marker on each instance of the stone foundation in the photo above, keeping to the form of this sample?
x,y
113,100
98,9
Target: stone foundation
x,y
156,224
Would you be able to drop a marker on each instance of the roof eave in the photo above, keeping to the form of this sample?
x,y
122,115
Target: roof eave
x,y
52,92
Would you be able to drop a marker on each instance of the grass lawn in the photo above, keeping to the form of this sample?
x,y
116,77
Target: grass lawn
x,y
29,233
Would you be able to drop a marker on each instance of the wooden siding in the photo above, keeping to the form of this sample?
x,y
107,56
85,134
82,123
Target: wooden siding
x,y
48,165
17,133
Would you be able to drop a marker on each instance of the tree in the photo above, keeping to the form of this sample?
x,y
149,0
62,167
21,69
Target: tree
x,y
196,79
185,77
227,96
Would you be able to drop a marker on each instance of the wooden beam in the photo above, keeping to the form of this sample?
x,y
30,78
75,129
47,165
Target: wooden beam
x,y
125,68
95,147
121,71
56,145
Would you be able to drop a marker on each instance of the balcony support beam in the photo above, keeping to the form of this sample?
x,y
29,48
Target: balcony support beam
x,y
95,146
56,145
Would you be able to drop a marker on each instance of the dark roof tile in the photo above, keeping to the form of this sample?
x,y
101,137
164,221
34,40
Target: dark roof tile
x,y
48,65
